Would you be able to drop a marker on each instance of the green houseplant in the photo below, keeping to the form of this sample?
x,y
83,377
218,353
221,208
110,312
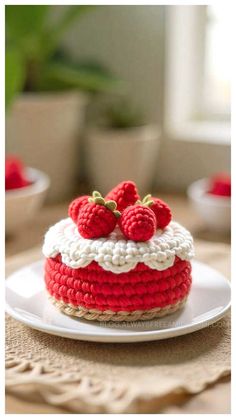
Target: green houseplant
x,y
122,146
34,61
47,91
121,115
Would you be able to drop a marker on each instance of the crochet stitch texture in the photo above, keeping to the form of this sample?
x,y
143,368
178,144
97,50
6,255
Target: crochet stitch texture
x,y
162,212
138,223
142,289
75,206
115,254
118,258
124,194
95,221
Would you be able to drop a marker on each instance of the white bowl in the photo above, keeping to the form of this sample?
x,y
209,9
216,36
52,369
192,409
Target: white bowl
x,y
214,210
22,204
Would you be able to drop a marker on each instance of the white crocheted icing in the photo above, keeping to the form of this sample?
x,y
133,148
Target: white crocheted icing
x,y
114,253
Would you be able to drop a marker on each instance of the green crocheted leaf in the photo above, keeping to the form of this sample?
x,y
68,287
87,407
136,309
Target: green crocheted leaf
x,y
99,200
111,205
147,198
117,213
96,194
148,203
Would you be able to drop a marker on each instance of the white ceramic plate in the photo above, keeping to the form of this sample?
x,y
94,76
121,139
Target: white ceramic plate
x,y
27,302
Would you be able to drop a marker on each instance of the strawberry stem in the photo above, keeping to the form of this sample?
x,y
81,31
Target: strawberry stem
x,y
147,201
97,198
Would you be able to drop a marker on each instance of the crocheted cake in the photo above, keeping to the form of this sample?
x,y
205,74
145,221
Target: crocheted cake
x,y
118,258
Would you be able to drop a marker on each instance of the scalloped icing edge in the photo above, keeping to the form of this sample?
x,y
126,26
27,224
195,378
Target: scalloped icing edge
x,y
114,253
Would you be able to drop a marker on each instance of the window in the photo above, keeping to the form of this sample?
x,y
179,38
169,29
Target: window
x,y
197,105
216,93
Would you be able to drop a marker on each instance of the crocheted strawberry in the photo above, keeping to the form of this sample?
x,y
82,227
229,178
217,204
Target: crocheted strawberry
x,y
15,176
124,194
97,218
76,205
161,210
138,222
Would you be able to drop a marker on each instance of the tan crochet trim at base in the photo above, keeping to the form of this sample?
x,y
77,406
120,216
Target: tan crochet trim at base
x,y
119,316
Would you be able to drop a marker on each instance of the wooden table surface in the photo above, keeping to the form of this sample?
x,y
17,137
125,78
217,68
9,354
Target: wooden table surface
x,y
215,399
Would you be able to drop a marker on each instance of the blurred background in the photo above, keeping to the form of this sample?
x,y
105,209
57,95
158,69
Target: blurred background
x,y
99,94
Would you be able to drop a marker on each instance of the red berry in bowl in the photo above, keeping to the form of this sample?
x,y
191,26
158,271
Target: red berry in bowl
x,y
138,222
220,185
97,218
76,205
15,176
124,194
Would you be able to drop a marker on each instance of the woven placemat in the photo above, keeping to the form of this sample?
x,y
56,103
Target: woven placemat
x,y
92,377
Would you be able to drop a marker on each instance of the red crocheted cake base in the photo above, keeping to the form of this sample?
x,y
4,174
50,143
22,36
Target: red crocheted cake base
x,y
96,294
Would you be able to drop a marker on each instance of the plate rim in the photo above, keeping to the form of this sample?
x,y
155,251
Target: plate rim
x,y
140,336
